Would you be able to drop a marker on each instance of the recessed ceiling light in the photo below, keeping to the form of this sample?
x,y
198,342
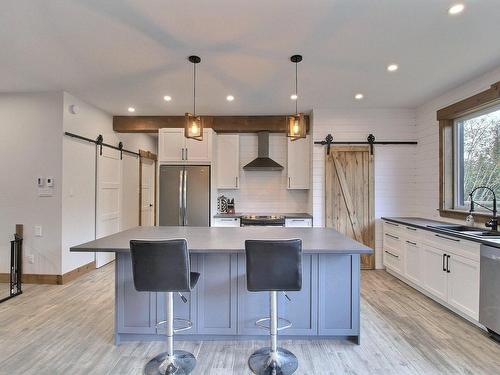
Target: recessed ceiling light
x,y
358,96
294,97
131,109
229,98
167,98
456,9
392,67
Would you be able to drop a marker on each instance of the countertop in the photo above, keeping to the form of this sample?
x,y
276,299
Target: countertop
x,y
426,224
229,240
296,215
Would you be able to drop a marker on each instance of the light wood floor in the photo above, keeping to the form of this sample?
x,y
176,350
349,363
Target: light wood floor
x,y
69,330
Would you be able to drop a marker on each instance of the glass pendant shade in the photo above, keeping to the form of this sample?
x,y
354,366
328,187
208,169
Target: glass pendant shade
x,y
296,126
193,127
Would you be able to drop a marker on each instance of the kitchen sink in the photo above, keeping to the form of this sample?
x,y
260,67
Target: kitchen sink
x,y
470,231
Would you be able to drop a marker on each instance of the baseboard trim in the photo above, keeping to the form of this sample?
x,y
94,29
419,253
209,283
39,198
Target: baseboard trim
x,y
31,278
77,272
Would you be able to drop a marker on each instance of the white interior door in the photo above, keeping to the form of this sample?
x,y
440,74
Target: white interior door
x,y
108,200
147,192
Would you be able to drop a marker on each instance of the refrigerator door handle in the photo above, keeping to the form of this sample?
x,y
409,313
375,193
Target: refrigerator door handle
x,y
181,195
185,197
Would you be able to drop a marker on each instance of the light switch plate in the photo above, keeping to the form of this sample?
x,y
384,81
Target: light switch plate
x,y
38,230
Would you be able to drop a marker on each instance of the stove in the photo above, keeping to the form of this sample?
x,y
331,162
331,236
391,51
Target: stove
x,y
262,220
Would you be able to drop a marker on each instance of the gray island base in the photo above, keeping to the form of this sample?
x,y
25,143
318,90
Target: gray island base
x,y
220,307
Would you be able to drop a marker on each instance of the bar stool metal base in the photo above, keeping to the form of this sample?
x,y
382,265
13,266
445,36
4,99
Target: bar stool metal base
x,y
182,364
283,362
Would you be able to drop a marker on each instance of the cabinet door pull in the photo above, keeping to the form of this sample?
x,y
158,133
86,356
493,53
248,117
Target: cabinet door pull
x,y
394,255
448,238
393,224
390,235
182,153
236,184
289,178
411,228
444,267
448,263
186,153
411,243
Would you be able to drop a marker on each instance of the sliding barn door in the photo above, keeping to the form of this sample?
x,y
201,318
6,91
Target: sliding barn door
x,y
349,196
108,198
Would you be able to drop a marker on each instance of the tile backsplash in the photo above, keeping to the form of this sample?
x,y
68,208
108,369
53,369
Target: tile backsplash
x,y
265,191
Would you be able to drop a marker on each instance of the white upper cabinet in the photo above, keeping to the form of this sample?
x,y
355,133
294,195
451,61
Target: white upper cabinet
x,y
173,147
298,163
228,161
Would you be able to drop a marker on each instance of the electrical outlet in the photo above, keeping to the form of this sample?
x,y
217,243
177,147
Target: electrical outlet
x,y
31,258
38,230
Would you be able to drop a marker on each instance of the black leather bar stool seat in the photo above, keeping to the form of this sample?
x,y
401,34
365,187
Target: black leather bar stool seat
x,y
273,266
163,266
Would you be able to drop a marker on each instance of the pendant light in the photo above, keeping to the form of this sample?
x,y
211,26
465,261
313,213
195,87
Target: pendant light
x,y
193,127
296,123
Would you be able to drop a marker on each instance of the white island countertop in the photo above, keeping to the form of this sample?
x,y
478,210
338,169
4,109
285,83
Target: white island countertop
x,y
229,240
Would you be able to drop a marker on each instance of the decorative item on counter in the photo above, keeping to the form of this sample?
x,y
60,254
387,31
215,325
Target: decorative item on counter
x,y
230,206
222,204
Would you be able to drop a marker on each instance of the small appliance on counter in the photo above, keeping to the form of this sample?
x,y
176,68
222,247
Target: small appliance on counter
x,y
230,206
222,203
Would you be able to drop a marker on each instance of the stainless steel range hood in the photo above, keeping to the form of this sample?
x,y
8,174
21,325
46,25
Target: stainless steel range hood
x,y
263,162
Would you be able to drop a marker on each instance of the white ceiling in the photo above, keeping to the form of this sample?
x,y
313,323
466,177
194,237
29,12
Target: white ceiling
x,y
117,53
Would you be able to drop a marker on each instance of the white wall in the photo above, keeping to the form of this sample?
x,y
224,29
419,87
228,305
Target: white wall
x,y
394,164
266,191
78,197
427,172
30,146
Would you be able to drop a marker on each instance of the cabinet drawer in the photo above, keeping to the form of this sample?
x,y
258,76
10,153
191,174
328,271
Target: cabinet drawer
x,y
454,245
393,259
411,231
298,223
226,222
392,240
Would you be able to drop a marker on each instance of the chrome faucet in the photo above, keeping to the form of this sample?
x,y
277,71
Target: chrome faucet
x,y
493,222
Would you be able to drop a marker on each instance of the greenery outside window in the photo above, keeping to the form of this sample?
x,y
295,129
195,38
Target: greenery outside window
x,y
477,156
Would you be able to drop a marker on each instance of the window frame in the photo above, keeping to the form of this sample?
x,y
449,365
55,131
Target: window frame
x,y
458,157
448,147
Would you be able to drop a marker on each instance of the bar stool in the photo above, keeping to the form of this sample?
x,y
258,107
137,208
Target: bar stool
x,y
163,266
273,266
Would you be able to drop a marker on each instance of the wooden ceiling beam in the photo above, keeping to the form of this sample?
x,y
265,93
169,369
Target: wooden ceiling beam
x,y
220,124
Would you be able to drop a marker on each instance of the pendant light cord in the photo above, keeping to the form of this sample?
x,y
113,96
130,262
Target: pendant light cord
x,y
194,90
296,87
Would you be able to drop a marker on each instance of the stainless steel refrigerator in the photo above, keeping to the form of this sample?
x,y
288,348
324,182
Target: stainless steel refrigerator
x,y
184,195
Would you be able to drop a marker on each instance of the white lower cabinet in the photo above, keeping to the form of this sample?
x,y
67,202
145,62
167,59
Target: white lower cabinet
x,y
226,222
445,267
413,261
434,275
463,285
298,223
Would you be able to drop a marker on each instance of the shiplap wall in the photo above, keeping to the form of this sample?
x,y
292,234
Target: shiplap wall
x,y
265,191
427,171
395,165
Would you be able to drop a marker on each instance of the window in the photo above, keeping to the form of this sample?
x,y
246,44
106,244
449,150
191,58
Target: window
x,y
469,153
477,156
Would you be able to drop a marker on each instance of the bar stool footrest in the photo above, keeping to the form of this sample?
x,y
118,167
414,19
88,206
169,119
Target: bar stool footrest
x,y
260,323
187,324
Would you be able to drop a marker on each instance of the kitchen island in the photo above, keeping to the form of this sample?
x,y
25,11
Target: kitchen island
x,y
220,307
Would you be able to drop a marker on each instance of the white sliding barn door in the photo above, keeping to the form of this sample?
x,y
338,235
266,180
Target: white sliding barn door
x,y
147,192
108,199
